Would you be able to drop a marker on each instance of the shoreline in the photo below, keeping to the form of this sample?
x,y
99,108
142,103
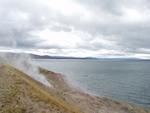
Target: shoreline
x,y
91,99
73,85
109,98
100,96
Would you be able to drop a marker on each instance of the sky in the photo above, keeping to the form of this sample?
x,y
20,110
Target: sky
x,y
80,28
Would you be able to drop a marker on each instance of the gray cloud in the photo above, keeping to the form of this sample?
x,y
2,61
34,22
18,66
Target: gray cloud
x,y
110,25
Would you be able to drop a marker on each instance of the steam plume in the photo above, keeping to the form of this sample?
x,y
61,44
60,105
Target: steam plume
x,y
24,63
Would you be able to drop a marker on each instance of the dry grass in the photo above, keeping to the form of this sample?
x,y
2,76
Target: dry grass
x,y
41,91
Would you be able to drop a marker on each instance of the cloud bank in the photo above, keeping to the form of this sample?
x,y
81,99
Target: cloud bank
x,y
76,27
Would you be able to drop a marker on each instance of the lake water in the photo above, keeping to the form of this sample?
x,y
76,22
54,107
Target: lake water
x,y
118,79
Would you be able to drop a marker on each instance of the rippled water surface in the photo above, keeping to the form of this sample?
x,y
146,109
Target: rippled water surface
x,y
119,79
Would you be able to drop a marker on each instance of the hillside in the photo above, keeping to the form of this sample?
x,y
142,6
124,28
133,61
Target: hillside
x,y
21,94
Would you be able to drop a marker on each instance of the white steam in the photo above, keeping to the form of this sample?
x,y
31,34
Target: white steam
x,y
24,63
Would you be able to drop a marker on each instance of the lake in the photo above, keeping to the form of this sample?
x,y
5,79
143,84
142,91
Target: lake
x,y
124,80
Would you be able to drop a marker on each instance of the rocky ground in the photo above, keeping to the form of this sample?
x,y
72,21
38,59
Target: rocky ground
x,y
21,94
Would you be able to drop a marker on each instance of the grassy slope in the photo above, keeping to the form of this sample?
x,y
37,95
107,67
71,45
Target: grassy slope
x,y
18,81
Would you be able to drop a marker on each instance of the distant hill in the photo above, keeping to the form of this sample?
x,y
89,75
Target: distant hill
x,y
58,57
86,58
34,56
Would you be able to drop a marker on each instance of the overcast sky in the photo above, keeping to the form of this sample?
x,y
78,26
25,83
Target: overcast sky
x,y
100,28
